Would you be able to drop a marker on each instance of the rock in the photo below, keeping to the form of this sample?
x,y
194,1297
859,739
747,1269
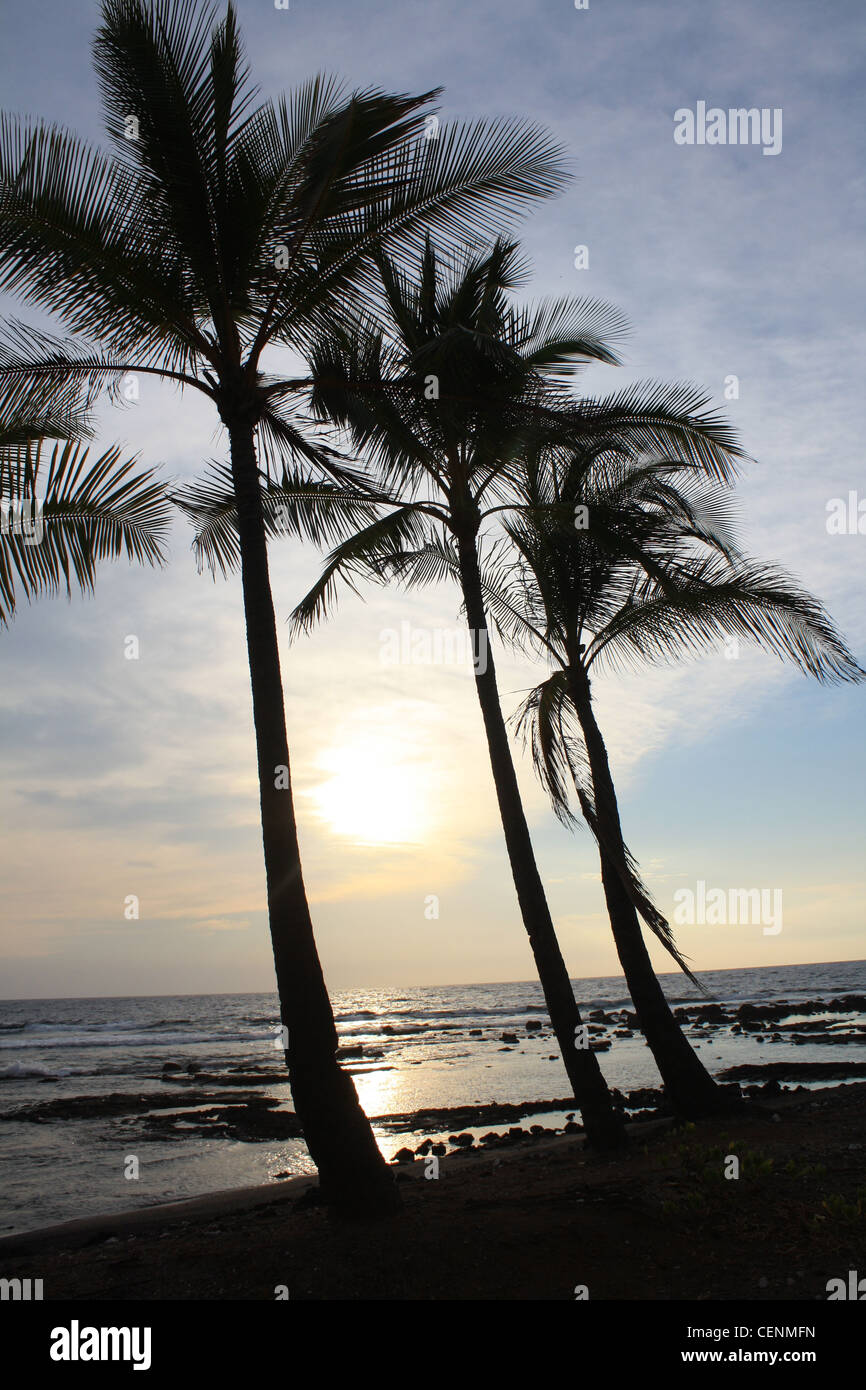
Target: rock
x,y
475,1032
751,1011
710,1013
461,1141
171,1067
644,1097
572,1128
508,1037
352,1050
439,1150
403,1156
193,1068
533,1025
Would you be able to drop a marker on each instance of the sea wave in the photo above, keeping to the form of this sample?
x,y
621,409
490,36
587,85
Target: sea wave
x,y
17,1071
141,1039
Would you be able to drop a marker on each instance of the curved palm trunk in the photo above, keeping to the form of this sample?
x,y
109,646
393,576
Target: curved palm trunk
x,y
689,1086
604,1128
352,1171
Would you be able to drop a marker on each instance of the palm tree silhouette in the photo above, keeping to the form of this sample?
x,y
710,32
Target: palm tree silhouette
x,y
447,406
219,228
651,572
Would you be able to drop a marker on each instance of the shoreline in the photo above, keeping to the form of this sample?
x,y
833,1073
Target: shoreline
x,y
531,1222
243,1104
81,1231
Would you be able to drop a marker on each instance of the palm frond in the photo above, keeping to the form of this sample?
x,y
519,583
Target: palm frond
x,y
706,600
367,555
297,505
658,418
87,510
549,726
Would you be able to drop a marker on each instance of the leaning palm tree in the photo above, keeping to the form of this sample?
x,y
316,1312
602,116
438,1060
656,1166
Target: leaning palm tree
x,y
650,573
446,407
220,228
62,512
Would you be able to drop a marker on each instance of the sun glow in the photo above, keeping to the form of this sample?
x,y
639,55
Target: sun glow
x,y
372,796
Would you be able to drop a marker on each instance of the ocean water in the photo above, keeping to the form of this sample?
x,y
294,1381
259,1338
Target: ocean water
x,y
435,1047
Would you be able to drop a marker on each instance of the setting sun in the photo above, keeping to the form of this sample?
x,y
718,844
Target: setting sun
x,y
372,796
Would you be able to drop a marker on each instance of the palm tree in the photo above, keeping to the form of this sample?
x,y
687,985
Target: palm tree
x,y
651,574
461,389
63,513
222,227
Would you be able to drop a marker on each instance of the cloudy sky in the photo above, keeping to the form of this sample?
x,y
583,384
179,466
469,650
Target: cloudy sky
x,y
123,777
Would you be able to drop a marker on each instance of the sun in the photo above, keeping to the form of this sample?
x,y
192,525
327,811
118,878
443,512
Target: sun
x,y
371,796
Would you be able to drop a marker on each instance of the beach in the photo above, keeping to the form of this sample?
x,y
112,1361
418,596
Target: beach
x,y
541,1219
113,1104
468,1103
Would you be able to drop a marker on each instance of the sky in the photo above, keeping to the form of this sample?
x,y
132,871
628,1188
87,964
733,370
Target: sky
x,y
123,778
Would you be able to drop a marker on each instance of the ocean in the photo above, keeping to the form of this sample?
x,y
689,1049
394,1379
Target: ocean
x,y
108,1104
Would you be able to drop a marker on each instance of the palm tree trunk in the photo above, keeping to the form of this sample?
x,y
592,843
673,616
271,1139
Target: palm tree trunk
x,y
353,1173
688,1084
604,1128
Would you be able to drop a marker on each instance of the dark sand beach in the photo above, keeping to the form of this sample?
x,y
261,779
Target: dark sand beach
x,y
532,1219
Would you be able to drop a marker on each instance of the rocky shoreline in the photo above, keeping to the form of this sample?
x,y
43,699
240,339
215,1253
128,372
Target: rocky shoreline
x,y
657,1222
232,1103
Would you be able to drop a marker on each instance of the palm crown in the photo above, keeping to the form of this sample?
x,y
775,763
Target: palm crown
x,y
220,224
618,557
